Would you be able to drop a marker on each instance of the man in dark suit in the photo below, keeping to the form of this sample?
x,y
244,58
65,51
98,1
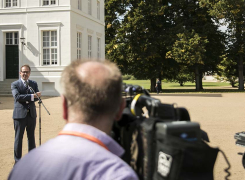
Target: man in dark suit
x,y
158,86
24,114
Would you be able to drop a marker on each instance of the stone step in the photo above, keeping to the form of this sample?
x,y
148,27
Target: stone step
x,y
6,95
5,92
5,87
8,81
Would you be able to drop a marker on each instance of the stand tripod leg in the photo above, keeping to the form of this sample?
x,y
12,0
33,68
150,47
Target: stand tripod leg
x,y
39,123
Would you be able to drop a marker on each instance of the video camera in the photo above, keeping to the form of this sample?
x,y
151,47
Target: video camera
x,y
240,141
159,140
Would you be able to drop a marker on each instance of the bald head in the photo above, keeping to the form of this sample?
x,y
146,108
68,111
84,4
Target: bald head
x,y
92,89
94,73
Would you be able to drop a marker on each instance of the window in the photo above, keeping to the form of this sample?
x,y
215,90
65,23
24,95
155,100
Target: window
x,y
11,3
49,2
89,7
79,5
98,9
49,47
79,45
98,48
89,46
12,38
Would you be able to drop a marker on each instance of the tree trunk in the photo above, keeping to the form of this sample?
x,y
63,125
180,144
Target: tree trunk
x,y
240,61
241,78
200,78
197,78
153,84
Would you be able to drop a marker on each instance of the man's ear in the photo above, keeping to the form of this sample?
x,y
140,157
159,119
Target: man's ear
x,y
122,106
64,107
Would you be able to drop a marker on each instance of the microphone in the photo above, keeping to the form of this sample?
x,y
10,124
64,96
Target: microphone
x,y
26,82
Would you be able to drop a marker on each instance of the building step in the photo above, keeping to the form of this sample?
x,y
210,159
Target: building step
x,y
8,81
5,92
6,95
5,87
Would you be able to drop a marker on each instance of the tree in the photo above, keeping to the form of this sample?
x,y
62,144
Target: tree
x,y
231,13
146,30
141,41
189,50
184,75
190,17
228,70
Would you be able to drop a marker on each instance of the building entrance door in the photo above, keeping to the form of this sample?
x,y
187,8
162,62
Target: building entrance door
x,y
12,55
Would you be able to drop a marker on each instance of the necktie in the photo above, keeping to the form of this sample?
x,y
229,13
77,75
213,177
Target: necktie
x,y
27,89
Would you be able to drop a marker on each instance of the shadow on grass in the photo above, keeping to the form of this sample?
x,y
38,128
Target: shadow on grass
x,y
193,86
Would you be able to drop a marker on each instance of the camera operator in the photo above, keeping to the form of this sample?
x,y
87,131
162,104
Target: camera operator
x,y
83,149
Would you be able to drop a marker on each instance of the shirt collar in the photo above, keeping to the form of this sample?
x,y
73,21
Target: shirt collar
x,y
24,80
111,144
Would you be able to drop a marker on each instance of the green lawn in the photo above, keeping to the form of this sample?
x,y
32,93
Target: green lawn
x,y
169,85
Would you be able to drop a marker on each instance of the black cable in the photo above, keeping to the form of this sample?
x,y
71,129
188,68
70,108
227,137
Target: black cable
x,y
229,166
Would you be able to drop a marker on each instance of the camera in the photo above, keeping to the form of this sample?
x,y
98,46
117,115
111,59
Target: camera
x,y
160,141
240,141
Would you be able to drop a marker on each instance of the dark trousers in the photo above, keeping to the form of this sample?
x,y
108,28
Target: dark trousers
x,y
158,89
20,125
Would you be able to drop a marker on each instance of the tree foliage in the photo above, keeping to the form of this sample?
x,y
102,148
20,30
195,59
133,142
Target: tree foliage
x,y
232,14
141,41
161,39
189,51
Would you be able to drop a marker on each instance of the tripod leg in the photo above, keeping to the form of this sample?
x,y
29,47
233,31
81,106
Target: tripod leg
x,y
39,123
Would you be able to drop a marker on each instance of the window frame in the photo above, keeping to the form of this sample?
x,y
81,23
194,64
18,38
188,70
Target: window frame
x,y
11,3
12,38
90,7
79,45
50,48
98,9
49,26
98,47
89,46
79,4
49,1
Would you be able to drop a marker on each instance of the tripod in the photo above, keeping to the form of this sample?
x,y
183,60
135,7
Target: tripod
x,y
39,102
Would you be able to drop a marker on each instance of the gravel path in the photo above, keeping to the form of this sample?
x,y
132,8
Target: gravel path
x,y
220,115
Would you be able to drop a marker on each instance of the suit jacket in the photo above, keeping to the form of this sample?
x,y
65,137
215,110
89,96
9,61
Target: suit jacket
x,y
21,97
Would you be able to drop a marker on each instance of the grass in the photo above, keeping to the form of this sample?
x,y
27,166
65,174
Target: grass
x,y
169,87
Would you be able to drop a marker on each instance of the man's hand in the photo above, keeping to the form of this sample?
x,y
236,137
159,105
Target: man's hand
x,y
37,93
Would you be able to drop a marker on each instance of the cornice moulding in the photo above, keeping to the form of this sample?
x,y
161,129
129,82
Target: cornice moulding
x,y
58,23
35,9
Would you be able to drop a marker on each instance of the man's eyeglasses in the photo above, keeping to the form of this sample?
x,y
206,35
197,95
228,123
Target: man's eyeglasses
x,y
25,72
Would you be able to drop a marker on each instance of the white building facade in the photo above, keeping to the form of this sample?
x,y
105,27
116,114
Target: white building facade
x,y
48,35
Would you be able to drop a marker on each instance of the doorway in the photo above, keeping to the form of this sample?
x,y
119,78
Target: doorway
x,y
12,55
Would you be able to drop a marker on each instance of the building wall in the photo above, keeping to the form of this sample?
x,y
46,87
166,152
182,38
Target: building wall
x,y
96,30
30,18
87,24
47,76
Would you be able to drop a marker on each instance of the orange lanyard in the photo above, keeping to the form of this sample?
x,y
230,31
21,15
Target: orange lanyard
x,y
86,136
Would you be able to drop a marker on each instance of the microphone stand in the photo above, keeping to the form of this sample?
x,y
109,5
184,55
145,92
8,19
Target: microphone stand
x,y
39,102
